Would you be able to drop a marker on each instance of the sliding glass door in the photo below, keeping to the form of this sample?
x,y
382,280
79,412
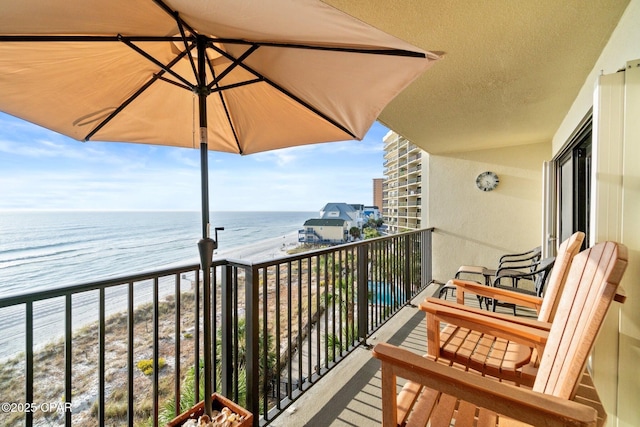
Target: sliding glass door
x,y
573,177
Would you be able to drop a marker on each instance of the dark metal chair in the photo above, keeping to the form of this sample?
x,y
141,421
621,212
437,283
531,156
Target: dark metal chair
x,y
538,273
506,261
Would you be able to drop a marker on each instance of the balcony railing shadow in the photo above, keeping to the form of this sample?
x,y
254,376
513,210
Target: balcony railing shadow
x,y
128,351
351,394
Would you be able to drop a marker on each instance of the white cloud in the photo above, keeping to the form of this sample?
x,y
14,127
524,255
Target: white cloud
x,y
188,158
282,157
48,171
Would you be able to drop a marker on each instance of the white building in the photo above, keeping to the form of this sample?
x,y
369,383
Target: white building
x,y
402,189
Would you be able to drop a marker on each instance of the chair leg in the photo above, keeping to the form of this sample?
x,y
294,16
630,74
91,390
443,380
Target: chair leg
x,y
445,291
480,301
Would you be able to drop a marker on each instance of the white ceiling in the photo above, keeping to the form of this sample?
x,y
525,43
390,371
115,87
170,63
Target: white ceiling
x,y
511,68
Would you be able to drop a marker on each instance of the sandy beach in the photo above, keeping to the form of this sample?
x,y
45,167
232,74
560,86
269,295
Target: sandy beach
x,y
262,250
49,317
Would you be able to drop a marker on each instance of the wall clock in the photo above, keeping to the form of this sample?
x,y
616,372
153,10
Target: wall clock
x,y
487,181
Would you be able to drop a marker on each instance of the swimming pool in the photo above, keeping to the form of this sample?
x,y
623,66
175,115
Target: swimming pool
x,y
384,293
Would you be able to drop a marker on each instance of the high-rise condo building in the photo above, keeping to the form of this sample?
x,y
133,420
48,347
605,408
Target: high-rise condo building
x,y
402,188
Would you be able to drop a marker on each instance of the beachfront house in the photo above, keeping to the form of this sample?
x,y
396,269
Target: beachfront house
x,y
372,212
351,213
332,231
336,219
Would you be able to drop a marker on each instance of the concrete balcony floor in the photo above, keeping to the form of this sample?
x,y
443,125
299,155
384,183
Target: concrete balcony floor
x,y
350,395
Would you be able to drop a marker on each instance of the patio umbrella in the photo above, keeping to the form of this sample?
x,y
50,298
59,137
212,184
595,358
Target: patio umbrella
x,y
266,74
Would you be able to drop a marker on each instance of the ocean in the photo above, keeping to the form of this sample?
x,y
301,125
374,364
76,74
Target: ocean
x,y
40,250
44,250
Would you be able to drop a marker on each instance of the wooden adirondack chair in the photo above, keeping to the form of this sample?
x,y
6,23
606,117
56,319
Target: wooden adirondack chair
x,y
446,395
472,337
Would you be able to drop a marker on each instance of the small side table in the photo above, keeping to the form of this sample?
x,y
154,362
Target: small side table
x,y
474,270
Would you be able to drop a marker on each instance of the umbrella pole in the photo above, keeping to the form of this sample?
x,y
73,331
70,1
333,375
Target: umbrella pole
x,y
206,245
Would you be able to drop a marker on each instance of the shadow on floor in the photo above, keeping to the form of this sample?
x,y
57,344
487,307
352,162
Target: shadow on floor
x,y
364,387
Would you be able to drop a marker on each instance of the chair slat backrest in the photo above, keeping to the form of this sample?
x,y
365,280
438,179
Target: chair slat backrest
x,y
588,292
567,250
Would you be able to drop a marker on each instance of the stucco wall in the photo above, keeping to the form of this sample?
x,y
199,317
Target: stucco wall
x,y
623,46
615,357
475,227
329,233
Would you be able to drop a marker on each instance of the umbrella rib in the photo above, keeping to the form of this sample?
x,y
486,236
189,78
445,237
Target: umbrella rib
x,y
388,52
62,38
186,47
155,61
392,52
233,129
290,95
224,105
309,107
233,65
21,38
129,100
175,83
235,85
174,15
84,38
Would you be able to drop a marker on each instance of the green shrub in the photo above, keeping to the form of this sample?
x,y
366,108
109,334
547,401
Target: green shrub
x,y
146,365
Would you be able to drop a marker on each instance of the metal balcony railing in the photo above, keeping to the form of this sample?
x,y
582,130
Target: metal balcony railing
x,y
128,351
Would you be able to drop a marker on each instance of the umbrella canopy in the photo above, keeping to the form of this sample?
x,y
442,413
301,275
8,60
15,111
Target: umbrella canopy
x,y
279,73
266,74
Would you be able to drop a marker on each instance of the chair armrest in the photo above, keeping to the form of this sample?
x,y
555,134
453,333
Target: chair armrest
x,y
621,295
523,256
506,295
528,266
533,335
474,270
526,321
505,399
532,269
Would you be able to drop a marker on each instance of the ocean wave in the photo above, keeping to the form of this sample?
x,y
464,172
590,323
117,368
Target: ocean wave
x,y
74,247
29,246
14,262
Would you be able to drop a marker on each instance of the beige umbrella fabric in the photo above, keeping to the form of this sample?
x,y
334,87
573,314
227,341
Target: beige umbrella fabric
x,y
236,76
70,86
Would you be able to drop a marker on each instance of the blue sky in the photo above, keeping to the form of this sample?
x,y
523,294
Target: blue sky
x,y
40,169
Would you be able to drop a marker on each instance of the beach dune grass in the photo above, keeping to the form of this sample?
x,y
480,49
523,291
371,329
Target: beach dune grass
x,y
49,368
304,290
146,365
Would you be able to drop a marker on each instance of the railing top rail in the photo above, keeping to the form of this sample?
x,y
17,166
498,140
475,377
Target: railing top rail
x,y
315,252
24,297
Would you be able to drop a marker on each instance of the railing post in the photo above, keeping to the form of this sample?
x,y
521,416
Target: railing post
x,y
102,362
252,338
131,323
226,324
29,361
68,343
407,267
156,348
426,255
363,292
